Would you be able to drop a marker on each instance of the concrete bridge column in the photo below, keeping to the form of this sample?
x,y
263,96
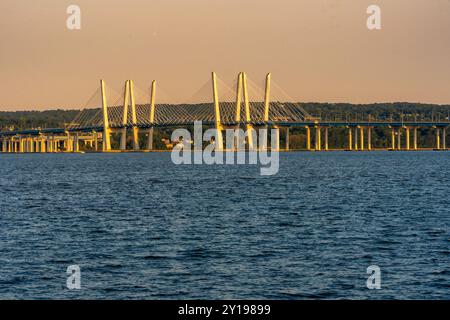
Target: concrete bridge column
x,y
356,139
43,144
287,139
95,141
408,146
150,139
415,138
276,146
361,137
49,144
31,144
308,138
369,138
53,143
318,141
25,144
399,137
68,143
326,138
4,145
438,142
350,142
21,144
393,138
76,144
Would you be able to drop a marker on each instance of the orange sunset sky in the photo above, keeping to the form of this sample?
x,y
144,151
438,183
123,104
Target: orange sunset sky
x,y
317,50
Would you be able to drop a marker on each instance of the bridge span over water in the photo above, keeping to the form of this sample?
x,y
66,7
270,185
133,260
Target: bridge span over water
x,y
93,127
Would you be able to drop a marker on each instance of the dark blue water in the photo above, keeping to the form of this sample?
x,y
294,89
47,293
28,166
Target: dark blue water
x,y
141,227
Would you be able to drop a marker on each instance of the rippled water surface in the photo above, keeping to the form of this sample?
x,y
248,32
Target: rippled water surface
x,y
141,227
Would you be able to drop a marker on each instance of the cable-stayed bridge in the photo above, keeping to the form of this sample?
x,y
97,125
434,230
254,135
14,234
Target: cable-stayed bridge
x,y
245,105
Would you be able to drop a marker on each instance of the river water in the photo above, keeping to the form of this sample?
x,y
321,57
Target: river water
x,y
140,227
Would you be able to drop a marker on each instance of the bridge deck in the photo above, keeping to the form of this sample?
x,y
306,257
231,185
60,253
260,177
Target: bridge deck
x,y
441,124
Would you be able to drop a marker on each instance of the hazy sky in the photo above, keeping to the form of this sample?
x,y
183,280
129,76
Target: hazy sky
x,y
317,50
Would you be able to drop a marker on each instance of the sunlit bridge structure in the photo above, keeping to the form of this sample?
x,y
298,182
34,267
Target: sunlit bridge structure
x,y
134,114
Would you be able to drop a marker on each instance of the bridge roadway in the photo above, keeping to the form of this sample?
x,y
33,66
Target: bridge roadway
x,y
312,124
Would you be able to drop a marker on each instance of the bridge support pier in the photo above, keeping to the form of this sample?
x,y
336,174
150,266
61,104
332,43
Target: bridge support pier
x,y
123,139
42,145
276,146
287,139
21,144
326,138
26,146
415,138
361,136
76,145
408,146
4,146
350,140
68,143
308,138
150,139
95,141
399,141
369,138
318,142
356,139
392,138
438,142
50,143
444,133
